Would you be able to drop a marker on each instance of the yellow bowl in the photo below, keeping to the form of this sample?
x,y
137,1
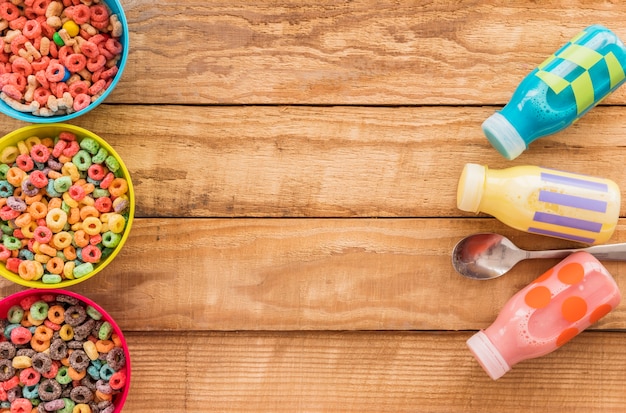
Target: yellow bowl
x,y
53,130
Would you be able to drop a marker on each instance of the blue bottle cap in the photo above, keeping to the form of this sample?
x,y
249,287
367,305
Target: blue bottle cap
x,y
503,136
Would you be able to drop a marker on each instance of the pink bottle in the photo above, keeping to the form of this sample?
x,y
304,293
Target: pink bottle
x,y
546,314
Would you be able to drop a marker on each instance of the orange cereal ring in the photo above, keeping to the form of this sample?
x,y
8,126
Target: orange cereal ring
x,y
30,270
23,220
43,333
55,265
118,187
89,211
54,203
104,346
56,314
81,239
74,216
15,176
39,345
47,250
75,374
37,210
31,199
70,254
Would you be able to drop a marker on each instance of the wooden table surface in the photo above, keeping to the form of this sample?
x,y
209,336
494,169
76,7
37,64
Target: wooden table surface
x,y
295,168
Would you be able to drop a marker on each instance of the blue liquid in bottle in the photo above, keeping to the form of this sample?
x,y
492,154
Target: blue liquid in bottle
x,y
559,91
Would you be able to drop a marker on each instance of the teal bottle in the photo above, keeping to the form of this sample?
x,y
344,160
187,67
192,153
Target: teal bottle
x,y
559,91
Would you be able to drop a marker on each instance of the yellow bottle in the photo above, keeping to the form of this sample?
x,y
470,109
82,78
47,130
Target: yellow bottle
x,y
543,201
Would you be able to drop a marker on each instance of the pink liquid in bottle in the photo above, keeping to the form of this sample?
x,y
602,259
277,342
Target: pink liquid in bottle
x,y
546,314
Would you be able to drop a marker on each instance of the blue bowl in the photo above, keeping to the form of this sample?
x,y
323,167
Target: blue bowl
x,y
116,8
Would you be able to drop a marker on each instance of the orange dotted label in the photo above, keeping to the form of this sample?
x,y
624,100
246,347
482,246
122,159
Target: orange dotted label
x,y
572,273
538,297
574,308
599,312
566,335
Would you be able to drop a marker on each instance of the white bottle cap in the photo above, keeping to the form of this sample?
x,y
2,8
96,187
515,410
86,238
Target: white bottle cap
x,y
470,189
503,136
487,355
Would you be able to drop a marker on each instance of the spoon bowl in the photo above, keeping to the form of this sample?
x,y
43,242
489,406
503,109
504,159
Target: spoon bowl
x,y
485,256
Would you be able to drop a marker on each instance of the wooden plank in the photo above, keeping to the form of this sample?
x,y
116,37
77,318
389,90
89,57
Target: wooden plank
x,y
331,52
309,274
326,162
365,372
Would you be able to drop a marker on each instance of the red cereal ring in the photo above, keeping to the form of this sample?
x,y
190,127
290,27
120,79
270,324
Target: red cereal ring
x,y
81,101
91,253
22,66
109,73
9,11
13,264
41,64
77,192
106,181
72,148
29,377
75,62
42,234
41,95
12,92
96,172
40,153
67,136
19,81
60,89
103,204
40,6
20,335
55,72
17,42
59,147
113,46
5,253
78,87
18,24
32,29
24,162
89,49
80,14
97,87
29,13
98,13
64,52
38,179
104,51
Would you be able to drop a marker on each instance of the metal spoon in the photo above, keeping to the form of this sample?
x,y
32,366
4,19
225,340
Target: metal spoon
x,y
486,255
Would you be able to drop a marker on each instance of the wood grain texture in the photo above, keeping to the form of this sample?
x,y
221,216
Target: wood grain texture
x,y
336,52
327,162
366,372
310,274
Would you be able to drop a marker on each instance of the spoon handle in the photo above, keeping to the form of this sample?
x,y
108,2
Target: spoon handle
x,y
609,252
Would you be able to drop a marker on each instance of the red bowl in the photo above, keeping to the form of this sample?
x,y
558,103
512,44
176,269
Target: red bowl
x,y
5,304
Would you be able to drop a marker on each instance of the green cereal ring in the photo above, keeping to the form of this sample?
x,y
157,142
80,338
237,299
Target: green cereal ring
x,y
39,310
105,331
83,269
51,278
82,160
112,163
90,145
101,156
111,239
63,375
6,229
11,242
62,184
93,313
3,170
15,314
100,193
65,207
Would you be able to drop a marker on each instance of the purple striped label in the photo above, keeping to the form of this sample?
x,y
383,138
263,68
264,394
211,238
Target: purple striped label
x,y
561,235
577,182
573,201
575,223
